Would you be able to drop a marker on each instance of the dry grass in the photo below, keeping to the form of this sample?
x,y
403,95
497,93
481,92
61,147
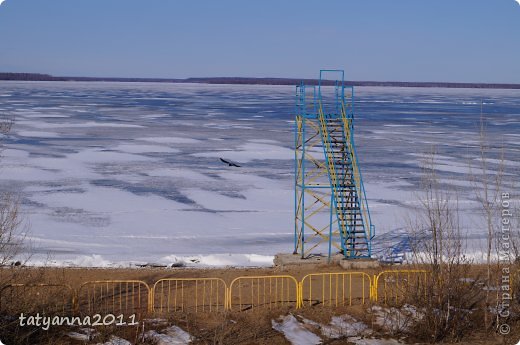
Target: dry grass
x,y
247,327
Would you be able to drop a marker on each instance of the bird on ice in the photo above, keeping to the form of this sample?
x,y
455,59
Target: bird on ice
x,y
230,163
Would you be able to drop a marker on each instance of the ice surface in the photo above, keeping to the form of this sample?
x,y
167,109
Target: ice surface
x,y
39,134
171,140
180,173
250,151
115,173
84,125
140,148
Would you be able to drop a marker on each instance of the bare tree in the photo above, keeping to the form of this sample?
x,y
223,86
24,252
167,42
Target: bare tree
x,y
448,297
435,228
515,226
10,224
487,185
6,124
515,235
10,218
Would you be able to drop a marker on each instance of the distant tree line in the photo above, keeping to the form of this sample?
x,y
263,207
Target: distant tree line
x,y
29,76
255,81
48,77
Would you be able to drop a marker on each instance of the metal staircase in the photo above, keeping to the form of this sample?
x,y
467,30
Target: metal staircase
x,y
348,199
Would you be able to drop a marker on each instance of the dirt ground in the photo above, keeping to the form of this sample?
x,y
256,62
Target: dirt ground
x,y
77,276
248,324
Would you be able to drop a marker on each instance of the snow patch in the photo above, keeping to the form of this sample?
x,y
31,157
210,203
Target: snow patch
x,y
340,326
94,260
396,320
372,341
116,341
78,336
344,326
295,332
84,334
91,261
172,336
213,260
220,260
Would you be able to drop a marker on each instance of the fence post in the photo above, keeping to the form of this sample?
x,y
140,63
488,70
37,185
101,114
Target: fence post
x,y
151,295
227,299
75,304
299,304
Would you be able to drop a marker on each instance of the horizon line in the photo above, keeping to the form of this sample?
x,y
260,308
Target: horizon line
x,y
29,76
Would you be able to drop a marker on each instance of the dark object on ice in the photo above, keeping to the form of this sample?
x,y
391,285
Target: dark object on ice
x,y
151,265
230,163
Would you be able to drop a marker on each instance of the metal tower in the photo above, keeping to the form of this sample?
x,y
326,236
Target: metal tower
x,y
331,208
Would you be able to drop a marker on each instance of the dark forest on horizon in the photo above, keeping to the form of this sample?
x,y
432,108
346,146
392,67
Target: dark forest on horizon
x,y
254,81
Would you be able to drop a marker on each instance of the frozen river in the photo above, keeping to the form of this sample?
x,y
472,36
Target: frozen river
x,y
130,172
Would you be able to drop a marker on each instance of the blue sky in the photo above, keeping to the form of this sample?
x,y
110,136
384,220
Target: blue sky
x,y
400,40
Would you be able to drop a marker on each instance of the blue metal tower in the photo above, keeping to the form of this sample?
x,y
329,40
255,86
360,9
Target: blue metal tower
x,y
331,208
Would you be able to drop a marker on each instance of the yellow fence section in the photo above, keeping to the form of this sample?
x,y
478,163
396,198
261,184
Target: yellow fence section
x,y
114,297
392,286
263,292
213,295
189,294
34,298
335,289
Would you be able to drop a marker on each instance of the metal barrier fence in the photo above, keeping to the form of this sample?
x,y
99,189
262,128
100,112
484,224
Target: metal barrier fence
x,y
335,289
114,297
263,292
189,294
213,295
395,284
32,298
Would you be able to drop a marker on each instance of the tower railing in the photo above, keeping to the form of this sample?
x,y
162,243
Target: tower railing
x,y
332,172
360,187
